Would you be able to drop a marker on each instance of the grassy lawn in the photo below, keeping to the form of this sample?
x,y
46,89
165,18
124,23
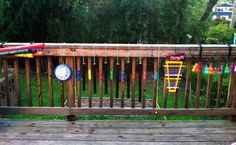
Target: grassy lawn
x,y
56,94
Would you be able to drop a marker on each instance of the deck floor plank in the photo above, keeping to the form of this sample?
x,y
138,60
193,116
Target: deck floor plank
x,y
117,132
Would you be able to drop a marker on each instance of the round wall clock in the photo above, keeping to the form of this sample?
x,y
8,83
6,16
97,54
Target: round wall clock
x,y
63,72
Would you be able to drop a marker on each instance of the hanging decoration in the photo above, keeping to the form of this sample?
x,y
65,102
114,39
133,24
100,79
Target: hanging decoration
x,y
211,69
173,72
63,72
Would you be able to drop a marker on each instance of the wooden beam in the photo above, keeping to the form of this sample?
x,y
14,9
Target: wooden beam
x,y
17,80
187,85
28,82
90,93
70,84
118,111
50,81
6,74
39,83
132,50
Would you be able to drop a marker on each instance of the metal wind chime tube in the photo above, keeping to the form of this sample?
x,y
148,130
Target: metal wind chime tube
x,y
128,71
106,72
94,72
84,68
117,74
140,72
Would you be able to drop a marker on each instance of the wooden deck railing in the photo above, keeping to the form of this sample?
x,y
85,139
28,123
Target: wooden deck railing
x,y
124,76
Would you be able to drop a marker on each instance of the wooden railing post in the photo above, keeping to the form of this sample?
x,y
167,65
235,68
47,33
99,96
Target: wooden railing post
x,y
17,81
233,91
111,74
70,88
198,87
133,82
38,73
187,86
62,96
5,72
50,81
28,82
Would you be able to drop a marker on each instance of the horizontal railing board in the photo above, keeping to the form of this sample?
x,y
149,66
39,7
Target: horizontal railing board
x,y
118,111
132,50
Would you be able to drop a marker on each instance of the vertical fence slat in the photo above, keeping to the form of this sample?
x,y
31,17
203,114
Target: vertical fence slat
x,y
5,73
39,83
231,88
100,81
28,82
176,99
78,67
70,84
90,82
187,86
154,99
17,80
111,80
50,83
84,66
198,87
122,82
208,93
165,91
133,81
62,96
144,82
219,87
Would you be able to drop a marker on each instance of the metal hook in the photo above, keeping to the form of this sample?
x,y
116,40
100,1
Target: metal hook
x,y
105,62
94,58
230,52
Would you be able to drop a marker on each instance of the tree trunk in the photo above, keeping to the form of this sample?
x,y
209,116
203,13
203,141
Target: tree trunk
x,y
208,10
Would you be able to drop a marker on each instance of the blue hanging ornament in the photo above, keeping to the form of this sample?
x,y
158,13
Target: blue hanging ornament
x,y
206,69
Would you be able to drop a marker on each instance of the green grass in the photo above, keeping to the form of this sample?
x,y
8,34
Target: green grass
x,y
170,103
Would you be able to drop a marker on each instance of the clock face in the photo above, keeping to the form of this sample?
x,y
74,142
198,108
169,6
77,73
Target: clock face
x,y
63,72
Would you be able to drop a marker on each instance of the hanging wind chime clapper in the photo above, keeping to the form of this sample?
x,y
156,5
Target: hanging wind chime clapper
x,y
173,72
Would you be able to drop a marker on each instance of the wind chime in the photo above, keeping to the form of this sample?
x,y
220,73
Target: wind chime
x,y
105,71
173,72
220,70
128,71
94,71
117,73
140,75
84,68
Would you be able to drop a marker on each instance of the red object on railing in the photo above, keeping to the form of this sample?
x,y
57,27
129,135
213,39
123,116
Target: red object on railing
x,y
30,46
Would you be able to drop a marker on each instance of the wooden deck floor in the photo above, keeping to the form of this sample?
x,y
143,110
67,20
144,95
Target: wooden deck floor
x,y
117,132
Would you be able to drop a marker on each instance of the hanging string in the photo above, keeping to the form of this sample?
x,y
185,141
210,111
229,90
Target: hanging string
x,y
105,71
